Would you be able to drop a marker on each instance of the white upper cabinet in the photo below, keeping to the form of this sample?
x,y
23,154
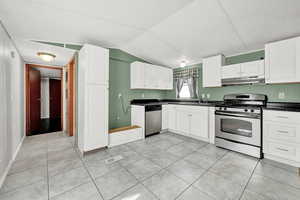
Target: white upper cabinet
x,y
247,69
148,76
212,71
231,71
137,79
255,68
97,68
283,61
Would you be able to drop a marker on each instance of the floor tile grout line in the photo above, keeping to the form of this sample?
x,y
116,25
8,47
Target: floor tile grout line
x,y
166,169
242,193
206,171
277,181
138,182
141,182
90,175
48,185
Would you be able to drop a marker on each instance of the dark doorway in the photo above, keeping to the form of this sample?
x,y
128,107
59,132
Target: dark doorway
x,y
44,99
55,98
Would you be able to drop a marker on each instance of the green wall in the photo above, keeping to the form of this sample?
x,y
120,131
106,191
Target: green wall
x,y
119,82
292,91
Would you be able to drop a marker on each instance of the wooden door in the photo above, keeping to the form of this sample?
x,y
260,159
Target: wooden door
x,y
55,98
34,100
71,98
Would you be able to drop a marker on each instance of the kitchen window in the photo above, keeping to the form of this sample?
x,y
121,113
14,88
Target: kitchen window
x,y
186,83
185,92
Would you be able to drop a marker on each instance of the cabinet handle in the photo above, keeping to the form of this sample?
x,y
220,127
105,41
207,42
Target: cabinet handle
x,y
282,117
281,149
279,131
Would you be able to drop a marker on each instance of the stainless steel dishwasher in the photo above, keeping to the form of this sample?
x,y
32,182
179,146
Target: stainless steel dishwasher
x,y
153,119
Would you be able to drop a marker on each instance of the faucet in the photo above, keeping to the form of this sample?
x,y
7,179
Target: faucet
x,y
202,98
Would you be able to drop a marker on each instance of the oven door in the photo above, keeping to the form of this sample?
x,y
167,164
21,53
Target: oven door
x,y
239,128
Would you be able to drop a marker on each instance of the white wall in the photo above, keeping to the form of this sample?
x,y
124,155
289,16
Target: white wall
x,y
11,102
45,98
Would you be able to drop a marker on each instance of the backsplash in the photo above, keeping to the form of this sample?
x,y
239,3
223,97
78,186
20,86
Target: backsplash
x,y
291,91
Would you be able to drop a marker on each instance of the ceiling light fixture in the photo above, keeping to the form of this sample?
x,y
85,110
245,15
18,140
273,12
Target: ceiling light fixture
x,y
183,63
48,57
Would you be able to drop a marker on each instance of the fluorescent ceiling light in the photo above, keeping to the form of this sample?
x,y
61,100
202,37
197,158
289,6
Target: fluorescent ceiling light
x,y
48,57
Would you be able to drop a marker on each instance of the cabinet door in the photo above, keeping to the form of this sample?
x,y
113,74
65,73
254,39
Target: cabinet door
x,y
183,121
172,118
97,68
231,71
281,62
169,79
165,113
212,71
137,78
96,133
199,123
255,68
151,79
161,77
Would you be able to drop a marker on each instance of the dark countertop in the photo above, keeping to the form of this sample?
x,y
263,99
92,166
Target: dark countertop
x,y
283,106
280,106
146,102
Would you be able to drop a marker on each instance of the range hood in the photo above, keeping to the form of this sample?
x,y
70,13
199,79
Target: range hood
x,y
243,80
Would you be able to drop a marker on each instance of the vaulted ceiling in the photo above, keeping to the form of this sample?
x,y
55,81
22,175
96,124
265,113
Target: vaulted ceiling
x,y
160,31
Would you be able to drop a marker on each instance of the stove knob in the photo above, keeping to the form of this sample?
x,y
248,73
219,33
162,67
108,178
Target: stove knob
x,y
252,110
246,110
225,108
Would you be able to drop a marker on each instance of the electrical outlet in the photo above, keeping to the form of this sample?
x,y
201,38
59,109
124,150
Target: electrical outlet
x,y
281,95
208,95
143,95
119,95
203,96
118,117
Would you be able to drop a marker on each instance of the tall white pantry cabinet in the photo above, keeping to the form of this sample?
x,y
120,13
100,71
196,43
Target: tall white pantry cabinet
x,y
93,83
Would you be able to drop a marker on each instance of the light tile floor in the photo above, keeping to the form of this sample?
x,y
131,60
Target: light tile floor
x,y
165,167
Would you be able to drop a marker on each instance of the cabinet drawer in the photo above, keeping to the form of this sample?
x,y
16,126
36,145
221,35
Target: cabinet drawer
x,y
283,150
281,116
282,132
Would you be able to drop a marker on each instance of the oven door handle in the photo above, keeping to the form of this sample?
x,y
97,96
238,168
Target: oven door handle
x,y
237,115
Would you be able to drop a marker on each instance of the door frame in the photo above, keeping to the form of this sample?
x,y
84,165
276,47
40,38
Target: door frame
x,y
71,93
27,95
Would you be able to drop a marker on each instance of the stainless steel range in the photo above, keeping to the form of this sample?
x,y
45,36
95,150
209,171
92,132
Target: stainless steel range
x,y
239,123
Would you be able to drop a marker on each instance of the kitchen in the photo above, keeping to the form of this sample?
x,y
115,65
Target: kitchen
x,y
174,99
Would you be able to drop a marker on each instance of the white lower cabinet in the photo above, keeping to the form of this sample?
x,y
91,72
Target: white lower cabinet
x,y
281,136
199,123
183,121
191,121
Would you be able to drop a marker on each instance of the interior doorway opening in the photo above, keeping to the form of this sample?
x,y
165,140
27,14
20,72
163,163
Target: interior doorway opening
x,y
44,96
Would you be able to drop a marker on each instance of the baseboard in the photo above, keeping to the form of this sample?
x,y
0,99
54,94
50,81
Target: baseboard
x,y
2,179
190,136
